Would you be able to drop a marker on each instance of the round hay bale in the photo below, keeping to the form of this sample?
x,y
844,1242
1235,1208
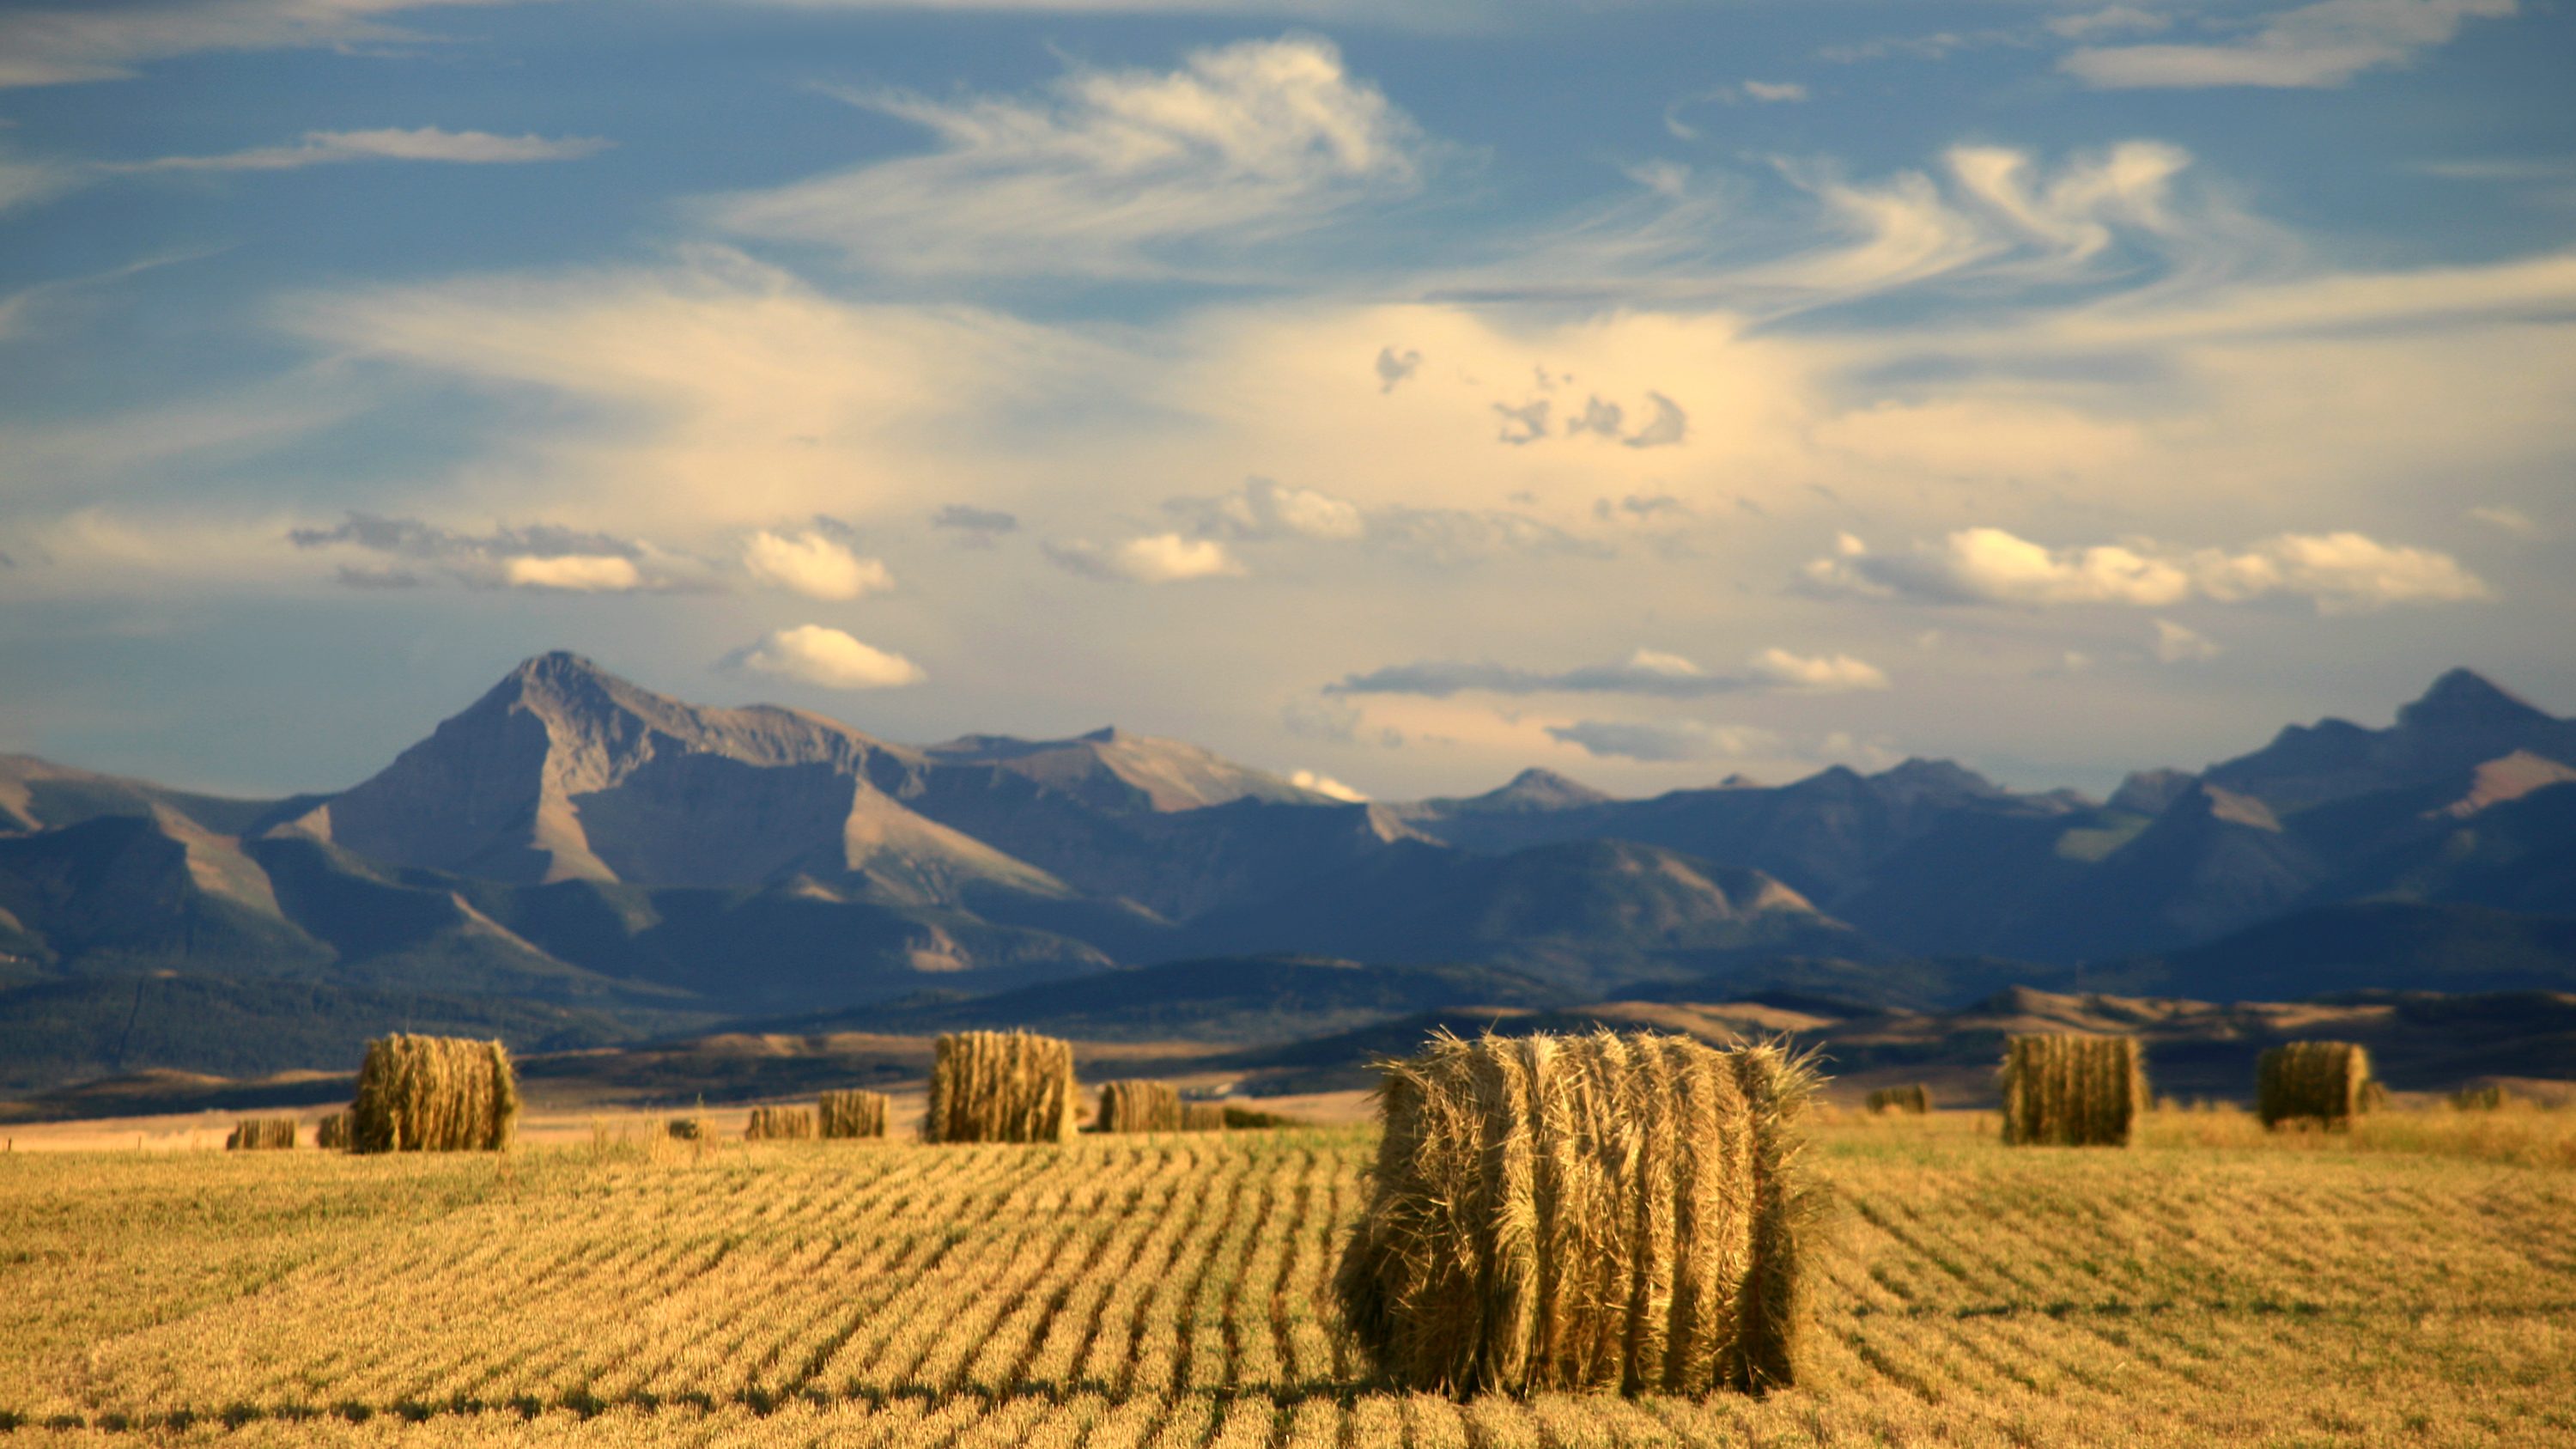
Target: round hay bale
x,y
1139,1106
852,1114
780,1124
1000,1086
1584,1212
2327,1082
2072,1091
434,1094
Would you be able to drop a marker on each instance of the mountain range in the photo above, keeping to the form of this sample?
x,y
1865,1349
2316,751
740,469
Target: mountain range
x,y
579,857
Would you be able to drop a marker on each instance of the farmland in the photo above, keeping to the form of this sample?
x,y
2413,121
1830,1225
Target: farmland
x,y
2413,1283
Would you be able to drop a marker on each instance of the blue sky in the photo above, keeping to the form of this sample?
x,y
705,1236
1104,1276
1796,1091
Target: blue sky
x,y
1652,392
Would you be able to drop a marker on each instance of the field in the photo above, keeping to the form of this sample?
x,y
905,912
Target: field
x,y
2414,1284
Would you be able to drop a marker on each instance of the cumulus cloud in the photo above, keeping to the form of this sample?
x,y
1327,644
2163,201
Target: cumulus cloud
x,y
1648,672
424,143
1325,785
539,556
2176,644
1659,743
2324,44
2340,572
814,564
814,654
1160,558
1114,173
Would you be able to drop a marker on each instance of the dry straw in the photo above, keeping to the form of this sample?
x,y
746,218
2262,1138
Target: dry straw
x,y
1202,1116
1915,1099
261,1134
2072,1091
853,1114
1133,1106
332,1132
1000,1086
434,1094
780,1124
2327,1082
1585,1212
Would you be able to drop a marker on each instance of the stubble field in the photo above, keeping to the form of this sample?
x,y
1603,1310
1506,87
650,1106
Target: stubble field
x,y
2414,1284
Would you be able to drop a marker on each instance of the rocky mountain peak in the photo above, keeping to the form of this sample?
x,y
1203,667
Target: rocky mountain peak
x,y
2463,699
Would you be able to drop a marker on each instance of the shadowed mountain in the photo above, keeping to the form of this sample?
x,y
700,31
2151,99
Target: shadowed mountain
x,y
2461,722
1579,915
1226,999
2365,946
1125,774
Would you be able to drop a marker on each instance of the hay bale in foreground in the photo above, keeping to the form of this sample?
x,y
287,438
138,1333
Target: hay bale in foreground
x,y
852,1114
1584,1212
434,1094
1137,1106
261,1134
1915,1099
1000,1086
332,1132
2072,1091
2322,1081
1202,1116
780,1124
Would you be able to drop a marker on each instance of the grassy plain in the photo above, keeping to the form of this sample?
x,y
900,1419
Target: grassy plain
x,y
2413,1283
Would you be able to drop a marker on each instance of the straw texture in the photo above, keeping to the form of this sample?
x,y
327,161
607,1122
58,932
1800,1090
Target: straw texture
x,y
1915,1099
780,1124
332,1132
434,1094
1203,1116
1135,1106
261,1134
1000,1086
2072,1091
1584,1212
2327,1082
852,1114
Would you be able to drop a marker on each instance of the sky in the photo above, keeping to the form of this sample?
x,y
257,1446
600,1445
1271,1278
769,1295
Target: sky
x,y
1404,395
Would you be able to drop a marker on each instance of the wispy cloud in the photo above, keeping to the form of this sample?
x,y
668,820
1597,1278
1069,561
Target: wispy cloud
x,y
2324,44
1113,173
2340,572
1660,743
1647,672
539,556
423,143
94,42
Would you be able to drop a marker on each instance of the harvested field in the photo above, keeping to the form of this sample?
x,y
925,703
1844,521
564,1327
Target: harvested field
x,y
2407,1283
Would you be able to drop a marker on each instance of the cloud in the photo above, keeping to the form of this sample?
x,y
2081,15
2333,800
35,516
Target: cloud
x,y
1665,429
2109,21
1647,672
1775,91
2511,520
2178,645
26,182
2340,572
1659,743
1161,558
1116,173
978,527
1394,367
1267,509
1325,785
540,556
2319,45
813,564
93,42
426,143
577,573
813,654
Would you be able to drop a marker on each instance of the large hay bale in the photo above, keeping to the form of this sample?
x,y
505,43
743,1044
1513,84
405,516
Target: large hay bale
x,y
1202,1116
2072,1091
1914,1099
780,1124
1000,1086
1584,1212
1135,1106
853,1114
332,1132
434,1094
2322,1081
261,1134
